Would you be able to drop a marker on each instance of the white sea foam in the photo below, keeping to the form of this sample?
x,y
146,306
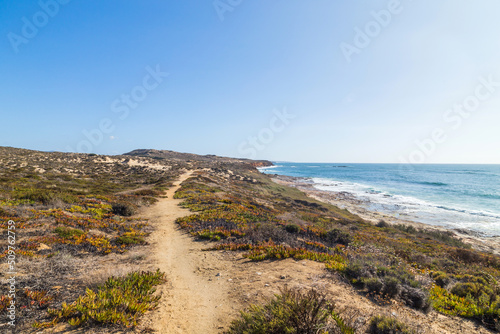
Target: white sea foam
x,y
414,209
268,167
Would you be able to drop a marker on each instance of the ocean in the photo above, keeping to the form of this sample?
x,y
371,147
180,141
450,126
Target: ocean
x,y
452,196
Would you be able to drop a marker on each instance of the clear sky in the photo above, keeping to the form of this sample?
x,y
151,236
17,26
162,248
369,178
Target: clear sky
x,y
317,81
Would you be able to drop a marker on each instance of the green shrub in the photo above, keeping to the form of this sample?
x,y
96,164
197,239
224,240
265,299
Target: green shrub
x,y
292,312
467,256
358,271
392,287
382,224
446,237
292,228
440,278
406,228
119,301
46,196
401,273
374,285
386,325
339,237
416,298
129,239
68,232
474,286
147,192
463,289
394,281
124,209
37,195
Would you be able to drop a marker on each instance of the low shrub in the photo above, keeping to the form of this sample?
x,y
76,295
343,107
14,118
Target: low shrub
x,y
381,324
416,298
474,286
393,281
129,239
124,209
406,228
446,237
399,272
467,256
292,312
264,232
292,228
37,195
374,285
148,200
68,232
147,192
392,287
382,224
441,278
463,289
337,236
45,196
358,271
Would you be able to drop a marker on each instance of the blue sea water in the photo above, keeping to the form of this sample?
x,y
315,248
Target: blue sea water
x,y
454,196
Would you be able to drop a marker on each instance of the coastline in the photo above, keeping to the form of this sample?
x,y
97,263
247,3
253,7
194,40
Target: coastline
x,y
346,200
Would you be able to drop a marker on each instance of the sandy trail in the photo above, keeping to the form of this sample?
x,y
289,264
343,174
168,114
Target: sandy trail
x,y
192,302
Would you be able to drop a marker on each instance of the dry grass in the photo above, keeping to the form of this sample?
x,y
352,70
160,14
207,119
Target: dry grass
x,y
99,275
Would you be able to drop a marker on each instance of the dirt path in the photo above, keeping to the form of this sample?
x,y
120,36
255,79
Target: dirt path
x,y
194,301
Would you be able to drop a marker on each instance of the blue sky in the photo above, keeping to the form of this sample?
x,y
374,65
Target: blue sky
x,y
233,66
